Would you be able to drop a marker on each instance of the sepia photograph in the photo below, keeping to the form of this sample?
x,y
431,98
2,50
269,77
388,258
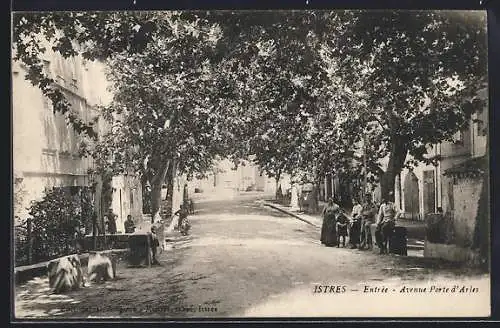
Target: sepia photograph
x,y
186,164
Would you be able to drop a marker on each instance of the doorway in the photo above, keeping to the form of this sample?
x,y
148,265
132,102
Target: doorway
x,y
411,196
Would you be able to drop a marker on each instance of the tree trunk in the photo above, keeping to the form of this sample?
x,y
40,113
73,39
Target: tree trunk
x,y
156,185
98,203
94,231
316,191
170,189
277,181
146,194
397,157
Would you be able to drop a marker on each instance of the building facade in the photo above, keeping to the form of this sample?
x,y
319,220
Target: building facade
x,y
228,179
46,149
423,189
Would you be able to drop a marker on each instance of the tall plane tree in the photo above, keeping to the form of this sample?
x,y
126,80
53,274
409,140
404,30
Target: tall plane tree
x,y
421,72
166,112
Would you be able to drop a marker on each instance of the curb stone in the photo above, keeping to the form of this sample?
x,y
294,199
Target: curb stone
x,y
290,213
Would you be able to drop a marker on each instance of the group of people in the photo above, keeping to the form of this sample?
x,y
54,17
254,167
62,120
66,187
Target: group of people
x,y
337,226
182,225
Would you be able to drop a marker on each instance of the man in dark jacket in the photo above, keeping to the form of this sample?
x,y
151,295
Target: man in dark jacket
x,y
129,224
155,243
112,223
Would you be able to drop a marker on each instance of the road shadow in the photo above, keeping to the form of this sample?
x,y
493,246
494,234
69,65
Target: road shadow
x,y
149,292
412,266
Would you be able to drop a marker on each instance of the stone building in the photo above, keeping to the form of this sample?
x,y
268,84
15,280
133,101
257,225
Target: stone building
x,y
422,190
46,149
455,184
226,179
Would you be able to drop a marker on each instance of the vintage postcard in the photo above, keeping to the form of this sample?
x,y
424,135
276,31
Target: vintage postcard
x,y
250,164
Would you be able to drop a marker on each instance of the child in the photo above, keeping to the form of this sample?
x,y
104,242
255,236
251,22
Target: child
x,y
342,223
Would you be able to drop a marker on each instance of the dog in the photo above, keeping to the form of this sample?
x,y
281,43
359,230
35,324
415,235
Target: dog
x,y
100,268
65,274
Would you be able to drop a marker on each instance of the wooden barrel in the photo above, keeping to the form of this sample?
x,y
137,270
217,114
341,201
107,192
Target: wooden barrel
x,y
398,243
139,250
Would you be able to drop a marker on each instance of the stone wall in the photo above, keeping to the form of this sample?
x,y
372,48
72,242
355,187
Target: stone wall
x,y
45,148
127,199
466,193
452,253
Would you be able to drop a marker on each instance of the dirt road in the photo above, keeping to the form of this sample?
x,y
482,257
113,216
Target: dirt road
x,y
243,259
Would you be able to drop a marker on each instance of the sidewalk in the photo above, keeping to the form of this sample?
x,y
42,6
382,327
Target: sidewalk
x,y
415,229
315,221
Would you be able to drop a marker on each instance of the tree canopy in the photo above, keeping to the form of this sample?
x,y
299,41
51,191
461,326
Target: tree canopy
x,y
296,90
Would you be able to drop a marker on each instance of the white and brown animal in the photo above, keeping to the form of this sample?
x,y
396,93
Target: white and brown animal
x,y
101,267
65,274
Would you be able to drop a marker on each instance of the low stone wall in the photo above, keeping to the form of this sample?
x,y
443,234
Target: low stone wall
x,y
451,252
115,241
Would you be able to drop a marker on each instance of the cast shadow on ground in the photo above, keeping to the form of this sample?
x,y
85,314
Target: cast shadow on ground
x,y
149,292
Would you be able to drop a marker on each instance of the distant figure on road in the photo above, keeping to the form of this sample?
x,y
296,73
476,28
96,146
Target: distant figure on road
x,y
190,206
386,221
312,200
182,213
328,229
129,224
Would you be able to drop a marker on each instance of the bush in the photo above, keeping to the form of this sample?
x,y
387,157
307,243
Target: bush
x,y
56,220
22,244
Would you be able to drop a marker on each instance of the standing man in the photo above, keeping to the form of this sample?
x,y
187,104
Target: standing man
x,y
105,223
386,221
129,224
368,214
355,226
112,222
155,243
182,212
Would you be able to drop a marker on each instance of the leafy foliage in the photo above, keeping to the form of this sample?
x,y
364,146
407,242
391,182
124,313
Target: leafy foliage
x,y
414,76
274,96
165,104
297,91
54,219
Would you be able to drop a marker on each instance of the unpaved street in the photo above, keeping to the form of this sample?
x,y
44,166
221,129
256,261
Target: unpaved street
x,y
244,259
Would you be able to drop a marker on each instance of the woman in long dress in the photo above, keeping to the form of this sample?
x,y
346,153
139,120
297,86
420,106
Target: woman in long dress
x,y
328,229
